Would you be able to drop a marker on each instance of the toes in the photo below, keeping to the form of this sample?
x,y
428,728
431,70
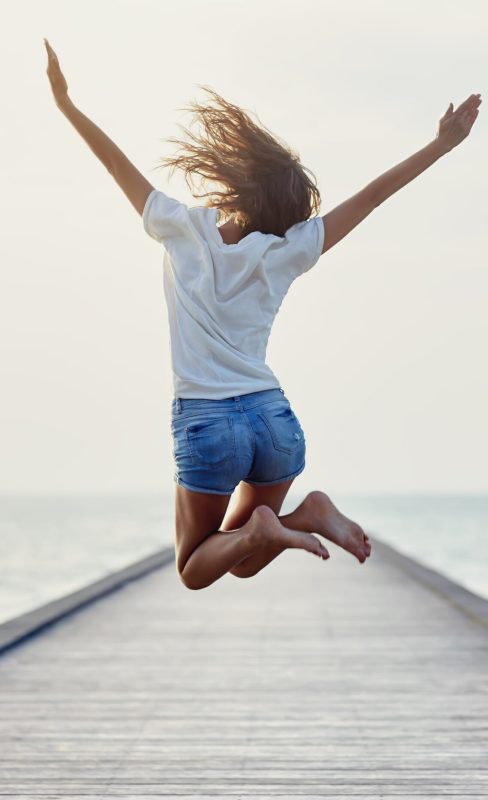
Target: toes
x,y
366,545
323,552
366,549
320,550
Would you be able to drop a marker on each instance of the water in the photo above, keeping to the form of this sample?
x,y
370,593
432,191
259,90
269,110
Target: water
x,y
53,545
448,533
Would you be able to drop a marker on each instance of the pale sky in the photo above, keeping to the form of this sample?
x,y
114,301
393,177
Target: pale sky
x,y
381,347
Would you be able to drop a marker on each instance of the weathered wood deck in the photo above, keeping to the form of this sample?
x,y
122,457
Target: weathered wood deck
x,y
313,679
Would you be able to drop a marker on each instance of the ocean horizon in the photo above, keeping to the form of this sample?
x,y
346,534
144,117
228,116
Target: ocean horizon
x,y
54,544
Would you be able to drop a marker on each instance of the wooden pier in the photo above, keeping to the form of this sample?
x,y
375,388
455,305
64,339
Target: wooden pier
x,y
313,679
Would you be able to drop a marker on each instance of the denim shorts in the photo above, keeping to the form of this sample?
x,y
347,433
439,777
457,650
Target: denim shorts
x,y
218,443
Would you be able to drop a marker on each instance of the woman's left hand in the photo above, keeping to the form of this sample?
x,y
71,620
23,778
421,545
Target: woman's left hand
x,y
456,125
56,77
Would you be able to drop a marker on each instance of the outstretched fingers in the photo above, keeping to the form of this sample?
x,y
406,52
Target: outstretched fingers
x,y
50,51
470,104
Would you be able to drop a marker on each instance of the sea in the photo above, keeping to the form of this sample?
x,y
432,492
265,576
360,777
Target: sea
x,y
51,545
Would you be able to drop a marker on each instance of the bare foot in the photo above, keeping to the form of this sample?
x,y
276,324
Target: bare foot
x,y
265,527
321,516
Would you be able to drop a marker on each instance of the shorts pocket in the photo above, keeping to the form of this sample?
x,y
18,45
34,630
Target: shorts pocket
x,y
211,441
285,430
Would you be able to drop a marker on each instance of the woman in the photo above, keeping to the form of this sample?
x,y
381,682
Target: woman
x,y
231,423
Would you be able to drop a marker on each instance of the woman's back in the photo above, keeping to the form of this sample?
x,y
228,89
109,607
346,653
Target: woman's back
x,y
222,298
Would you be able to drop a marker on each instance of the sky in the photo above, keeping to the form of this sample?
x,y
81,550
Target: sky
x,y
381,347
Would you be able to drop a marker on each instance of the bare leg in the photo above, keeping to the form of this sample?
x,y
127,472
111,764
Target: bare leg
x,y
317,514
220,551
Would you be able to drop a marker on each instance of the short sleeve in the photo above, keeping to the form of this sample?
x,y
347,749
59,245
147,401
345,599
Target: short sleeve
x,y
303,245
163,217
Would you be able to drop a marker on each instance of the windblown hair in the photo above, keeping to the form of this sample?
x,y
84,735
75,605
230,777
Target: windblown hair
x,y
265,186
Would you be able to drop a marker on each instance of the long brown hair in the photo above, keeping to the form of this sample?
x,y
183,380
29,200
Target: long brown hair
x,y
264,184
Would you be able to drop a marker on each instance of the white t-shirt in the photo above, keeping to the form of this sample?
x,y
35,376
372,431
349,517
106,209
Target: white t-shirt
x,y
222,298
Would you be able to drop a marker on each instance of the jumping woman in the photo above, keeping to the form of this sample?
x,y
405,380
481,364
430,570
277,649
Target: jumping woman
x,y
227,267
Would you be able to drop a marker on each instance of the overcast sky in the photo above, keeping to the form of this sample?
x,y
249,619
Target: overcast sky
x,y
381,347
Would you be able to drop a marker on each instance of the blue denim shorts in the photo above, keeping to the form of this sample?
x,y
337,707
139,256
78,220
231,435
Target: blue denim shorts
x,y
218,443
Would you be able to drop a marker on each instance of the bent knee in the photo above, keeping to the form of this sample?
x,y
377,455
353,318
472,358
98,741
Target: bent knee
x,y
188,580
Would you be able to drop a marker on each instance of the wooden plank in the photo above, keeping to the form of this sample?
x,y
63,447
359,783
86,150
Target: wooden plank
x,y
470,603
15,630
312,679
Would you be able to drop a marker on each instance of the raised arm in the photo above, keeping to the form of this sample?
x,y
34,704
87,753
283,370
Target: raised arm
x,y
134,185
453,127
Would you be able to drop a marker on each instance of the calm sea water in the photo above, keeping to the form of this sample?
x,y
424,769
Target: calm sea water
x,y
52,545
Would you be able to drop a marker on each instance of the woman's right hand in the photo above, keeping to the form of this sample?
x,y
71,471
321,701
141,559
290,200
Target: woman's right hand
x,y
56,78
456,125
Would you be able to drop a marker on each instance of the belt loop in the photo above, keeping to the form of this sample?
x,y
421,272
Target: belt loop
x,y
178,405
